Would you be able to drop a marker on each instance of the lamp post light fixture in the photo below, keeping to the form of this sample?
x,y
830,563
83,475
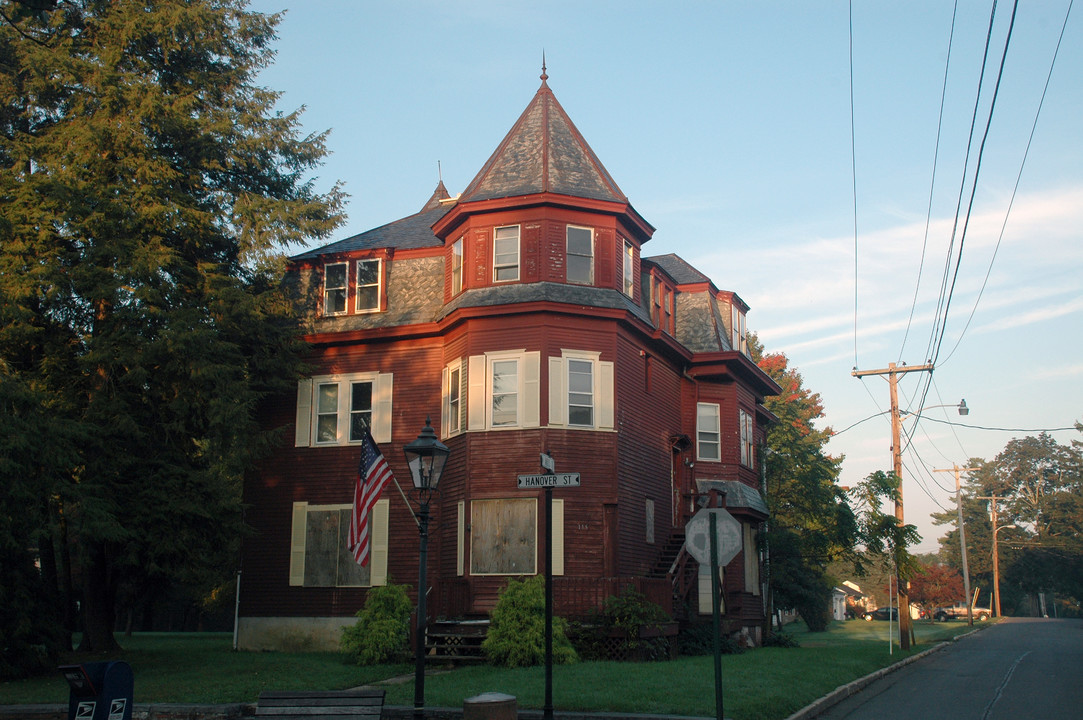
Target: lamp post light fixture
x,y
426,457
961,407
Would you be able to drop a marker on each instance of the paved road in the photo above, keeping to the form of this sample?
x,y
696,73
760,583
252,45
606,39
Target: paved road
x,y
1020,668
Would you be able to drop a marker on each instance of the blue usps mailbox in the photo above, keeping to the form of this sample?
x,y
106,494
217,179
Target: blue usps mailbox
x,y
99,691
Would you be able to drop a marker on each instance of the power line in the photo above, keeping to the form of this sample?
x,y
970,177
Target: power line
x,y
932,180
853,171
1000,429
943,320
938,319
1018,177
977,171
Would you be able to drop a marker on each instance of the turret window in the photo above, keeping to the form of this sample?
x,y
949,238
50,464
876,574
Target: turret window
x,y
506,254
580,255
629,256
457,267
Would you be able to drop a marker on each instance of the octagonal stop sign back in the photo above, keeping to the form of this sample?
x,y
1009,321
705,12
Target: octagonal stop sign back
x,y
698,536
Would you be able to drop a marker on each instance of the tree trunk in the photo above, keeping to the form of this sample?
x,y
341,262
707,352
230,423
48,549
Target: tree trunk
x,y
98,603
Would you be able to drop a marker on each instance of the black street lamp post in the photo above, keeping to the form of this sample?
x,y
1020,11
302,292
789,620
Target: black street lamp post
x,y
426,457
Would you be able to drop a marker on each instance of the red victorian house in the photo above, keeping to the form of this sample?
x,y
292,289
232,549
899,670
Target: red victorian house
x,y
522,317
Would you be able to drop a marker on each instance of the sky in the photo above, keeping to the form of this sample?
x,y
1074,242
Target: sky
x,y
730,128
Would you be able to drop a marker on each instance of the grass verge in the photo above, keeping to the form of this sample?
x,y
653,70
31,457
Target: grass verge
x,y
762,684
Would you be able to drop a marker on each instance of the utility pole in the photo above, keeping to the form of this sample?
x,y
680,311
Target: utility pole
x,y
892,371
962,539
996,558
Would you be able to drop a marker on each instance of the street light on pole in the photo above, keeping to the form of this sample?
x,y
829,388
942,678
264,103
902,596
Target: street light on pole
x,y
426,457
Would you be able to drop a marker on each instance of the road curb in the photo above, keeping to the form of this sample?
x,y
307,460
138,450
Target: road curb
x,y
842,692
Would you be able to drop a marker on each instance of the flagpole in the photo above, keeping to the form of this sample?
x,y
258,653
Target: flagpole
x,y
405,500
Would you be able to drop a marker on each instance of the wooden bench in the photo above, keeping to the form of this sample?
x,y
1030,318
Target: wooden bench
x,y
322,704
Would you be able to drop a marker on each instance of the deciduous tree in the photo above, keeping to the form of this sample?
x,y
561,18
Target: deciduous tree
x,y
936,585
811,521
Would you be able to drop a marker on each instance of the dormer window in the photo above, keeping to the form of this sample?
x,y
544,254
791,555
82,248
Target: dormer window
x,y
739,332
368,285
506,254
580,255
334,289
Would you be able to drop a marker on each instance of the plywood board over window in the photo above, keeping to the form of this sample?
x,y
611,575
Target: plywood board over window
x,y
504,536
319,553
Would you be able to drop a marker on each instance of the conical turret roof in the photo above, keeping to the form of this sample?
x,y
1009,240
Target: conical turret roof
x,y
543,152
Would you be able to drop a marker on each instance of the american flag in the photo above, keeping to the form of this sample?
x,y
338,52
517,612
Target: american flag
x,y
372,474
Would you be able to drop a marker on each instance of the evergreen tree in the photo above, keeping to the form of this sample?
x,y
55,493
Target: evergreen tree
x,y
811,522
147,190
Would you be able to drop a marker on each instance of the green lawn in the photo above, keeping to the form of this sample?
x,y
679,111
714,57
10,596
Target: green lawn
x,y
762,684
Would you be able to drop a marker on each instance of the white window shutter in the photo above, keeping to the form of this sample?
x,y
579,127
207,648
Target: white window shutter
x,y
445,403
605,396
532,389
297,544
381,408
460,542
303,425
476,386
558,536
556,391
378,546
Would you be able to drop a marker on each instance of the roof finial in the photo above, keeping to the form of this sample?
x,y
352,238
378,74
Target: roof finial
x,y
439,171
544,75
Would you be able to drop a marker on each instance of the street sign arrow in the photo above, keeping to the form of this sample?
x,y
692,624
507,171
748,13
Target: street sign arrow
x,y
549,480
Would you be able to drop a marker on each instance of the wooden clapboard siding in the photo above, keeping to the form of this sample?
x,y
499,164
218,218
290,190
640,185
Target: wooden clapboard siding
x,y
646,418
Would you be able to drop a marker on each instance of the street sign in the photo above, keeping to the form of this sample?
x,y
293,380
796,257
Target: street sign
x,y
549,480
698,536
548,463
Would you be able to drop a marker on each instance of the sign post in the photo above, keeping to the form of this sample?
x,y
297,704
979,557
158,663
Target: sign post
x,y
713,537
547,481
716,614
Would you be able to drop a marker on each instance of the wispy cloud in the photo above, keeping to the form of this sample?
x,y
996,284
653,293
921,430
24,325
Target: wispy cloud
x,y
1037,315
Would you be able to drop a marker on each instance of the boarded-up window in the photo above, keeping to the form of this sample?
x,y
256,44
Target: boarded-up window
x,y
504,537
328,562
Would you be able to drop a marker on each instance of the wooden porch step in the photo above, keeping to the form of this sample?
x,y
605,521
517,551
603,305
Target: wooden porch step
x,y
456,640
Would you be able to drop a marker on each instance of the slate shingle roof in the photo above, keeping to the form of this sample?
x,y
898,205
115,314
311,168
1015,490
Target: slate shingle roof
x,y
543,152
412,231
678,269
544,292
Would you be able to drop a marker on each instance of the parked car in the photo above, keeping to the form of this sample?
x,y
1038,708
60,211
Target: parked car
x,y
884,613
958,612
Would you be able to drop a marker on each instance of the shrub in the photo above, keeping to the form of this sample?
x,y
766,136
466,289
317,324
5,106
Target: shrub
x,y
781,639
516,636
382,631
614,631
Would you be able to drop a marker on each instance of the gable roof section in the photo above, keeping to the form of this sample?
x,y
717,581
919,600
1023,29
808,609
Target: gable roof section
x,y
411,232
543,152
